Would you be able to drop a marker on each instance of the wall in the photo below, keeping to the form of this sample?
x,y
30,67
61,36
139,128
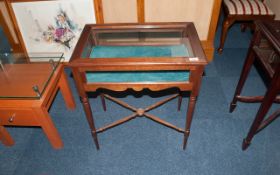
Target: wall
x,y
8,28
204,14
275,7
179,11
198,11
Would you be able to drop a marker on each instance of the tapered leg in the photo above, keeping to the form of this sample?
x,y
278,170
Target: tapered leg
x,y
243,27
189,116
246,69
269,97
66,91
103,102
226,25
48,127
90,120
5,137
246,25
179,102
244,74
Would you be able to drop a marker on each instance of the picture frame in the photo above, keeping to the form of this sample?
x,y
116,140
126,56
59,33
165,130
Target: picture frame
x,y
51,26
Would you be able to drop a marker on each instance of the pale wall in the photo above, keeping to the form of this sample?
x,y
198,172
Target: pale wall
x,y
197,11
275,7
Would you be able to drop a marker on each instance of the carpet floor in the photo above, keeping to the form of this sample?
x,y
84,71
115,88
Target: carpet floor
x,y
142,146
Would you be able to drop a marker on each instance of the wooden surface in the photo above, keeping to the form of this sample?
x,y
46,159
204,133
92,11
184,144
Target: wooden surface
x,y
30,112
22,47
141,11
24,77
98,11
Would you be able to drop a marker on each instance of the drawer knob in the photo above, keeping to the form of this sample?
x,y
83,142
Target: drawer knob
x,y
11,119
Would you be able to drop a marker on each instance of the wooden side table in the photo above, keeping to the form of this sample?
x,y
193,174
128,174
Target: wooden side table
x,y
154,56
27,91
264,48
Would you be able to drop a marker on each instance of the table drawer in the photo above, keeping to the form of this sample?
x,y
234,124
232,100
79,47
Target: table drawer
x,y
21,117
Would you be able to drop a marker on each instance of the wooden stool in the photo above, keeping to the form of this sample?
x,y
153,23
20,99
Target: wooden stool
x,y
264,48
242,10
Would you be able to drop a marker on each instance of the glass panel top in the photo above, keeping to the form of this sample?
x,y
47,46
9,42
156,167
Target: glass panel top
x,y
124,44
23,76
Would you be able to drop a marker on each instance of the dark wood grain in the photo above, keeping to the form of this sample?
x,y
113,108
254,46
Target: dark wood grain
x,y
265,31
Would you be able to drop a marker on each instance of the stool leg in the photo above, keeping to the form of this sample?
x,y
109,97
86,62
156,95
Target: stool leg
x,y
244,74
243,27
269,97
90,120
189,117
245,70
226,24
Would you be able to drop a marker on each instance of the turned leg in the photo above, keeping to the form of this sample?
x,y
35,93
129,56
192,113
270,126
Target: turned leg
x,y
90,120
246,25
48,127
179,102
5,137
103,101
226,25
66,91
189,116
80,79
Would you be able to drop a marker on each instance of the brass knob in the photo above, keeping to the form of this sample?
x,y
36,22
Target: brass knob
x,y
11,119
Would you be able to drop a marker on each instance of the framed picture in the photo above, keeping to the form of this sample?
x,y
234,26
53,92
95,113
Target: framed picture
x,y
52,26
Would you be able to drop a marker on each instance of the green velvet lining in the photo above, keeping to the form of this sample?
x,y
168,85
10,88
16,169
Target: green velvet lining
x,y
138,51
160,76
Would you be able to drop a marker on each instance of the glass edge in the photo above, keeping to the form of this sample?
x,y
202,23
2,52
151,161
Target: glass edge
x,y
51,74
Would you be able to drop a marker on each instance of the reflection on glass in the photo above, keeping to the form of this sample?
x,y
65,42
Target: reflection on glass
x,y
24,76
128,44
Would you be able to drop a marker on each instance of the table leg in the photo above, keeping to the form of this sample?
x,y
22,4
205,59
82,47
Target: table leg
x,y
48,127
90,119
5,137
179,101
269,97
80,80
103,101
66,91
189,116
